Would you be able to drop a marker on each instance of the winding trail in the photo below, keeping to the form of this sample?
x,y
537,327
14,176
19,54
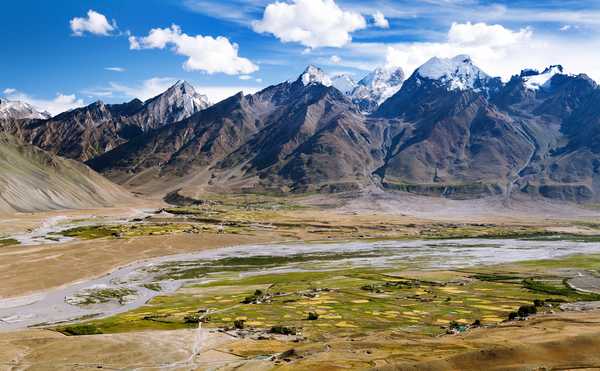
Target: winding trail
x,y
199,344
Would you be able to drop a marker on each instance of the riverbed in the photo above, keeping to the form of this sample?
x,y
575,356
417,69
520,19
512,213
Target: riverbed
x,y
131,286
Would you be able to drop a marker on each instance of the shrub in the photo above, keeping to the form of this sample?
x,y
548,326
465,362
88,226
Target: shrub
x,y
192,318
283,330
258,294
239,324
313,316
526,310
83,329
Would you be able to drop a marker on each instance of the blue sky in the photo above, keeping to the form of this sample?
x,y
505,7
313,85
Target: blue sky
x,y
58,54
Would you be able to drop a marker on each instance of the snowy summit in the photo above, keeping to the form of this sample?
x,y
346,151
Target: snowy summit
x,y
314,74
380,84
458,73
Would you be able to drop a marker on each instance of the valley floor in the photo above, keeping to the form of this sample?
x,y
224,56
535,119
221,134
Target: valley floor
x,y
390,316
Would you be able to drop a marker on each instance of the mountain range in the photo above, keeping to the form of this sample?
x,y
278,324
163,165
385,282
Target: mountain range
x,y
448,130
87,132
20,110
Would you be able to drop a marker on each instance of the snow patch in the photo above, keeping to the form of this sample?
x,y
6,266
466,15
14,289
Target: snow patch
x,y
535,80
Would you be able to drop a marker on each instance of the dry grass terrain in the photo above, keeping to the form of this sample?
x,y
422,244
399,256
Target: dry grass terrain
x,y
561,341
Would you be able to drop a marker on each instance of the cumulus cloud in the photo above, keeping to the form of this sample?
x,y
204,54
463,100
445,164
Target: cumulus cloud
x,y
312,23
481,34
335,59
115,69
498,50
60,103
205,53
95,23
380,21
488,45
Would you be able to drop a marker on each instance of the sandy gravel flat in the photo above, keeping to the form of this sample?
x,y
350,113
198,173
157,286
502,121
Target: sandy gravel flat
x,y
25,270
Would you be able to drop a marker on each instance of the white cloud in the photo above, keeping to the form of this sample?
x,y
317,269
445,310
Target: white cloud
x,y
499,51
312,23
115,69
133,43
566,27
154,86
481,34
335,59
245,77
379,20
488,45
259,80
218,93
60,103
145,90
237,11
95,23
204,53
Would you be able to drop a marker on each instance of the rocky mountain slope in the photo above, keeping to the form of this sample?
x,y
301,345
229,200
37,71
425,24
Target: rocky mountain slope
x,y
301,135
472,135
34,180
451,130
87,132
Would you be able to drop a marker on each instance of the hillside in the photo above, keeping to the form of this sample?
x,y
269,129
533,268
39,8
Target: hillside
x,y
34,180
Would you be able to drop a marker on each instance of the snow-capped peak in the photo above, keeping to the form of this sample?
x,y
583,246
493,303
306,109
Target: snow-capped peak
x,y
181,94
534,80
20,110
314,74
368,93
344,83
393,76
178,102
456,73
182,86
382,83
